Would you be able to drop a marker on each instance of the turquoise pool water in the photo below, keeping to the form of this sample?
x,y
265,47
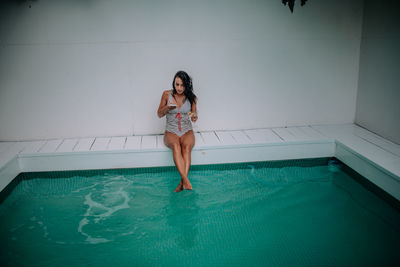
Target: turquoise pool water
x,y
292,213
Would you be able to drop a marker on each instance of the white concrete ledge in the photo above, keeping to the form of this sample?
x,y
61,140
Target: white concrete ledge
x,y
372,156
163,157
8,172
383,178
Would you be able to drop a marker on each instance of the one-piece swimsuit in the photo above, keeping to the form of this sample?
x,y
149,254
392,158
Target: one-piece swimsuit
x,y
178,120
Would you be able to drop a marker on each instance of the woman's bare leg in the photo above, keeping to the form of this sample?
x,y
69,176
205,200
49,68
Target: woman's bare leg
x,y
172,141
187,142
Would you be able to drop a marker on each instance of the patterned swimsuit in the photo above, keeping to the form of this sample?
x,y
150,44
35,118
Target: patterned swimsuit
x,y
178,120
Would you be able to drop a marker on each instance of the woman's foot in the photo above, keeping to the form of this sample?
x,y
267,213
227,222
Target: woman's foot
x,y
186,184
179,188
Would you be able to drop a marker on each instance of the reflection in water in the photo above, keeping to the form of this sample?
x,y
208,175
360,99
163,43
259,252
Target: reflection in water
x,y
183,216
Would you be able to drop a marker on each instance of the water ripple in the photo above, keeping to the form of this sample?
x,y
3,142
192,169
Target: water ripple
x,y
103,202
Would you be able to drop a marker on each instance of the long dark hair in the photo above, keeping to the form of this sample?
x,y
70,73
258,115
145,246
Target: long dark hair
x,y
187,83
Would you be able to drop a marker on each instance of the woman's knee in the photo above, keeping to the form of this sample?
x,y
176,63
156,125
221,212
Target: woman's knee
x,y
187,147
175,146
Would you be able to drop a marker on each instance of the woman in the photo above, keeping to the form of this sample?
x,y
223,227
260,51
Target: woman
x,y
179,106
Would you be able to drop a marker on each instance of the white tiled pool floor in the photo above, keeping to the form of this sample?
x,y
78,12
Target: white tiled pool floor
x,y
339,140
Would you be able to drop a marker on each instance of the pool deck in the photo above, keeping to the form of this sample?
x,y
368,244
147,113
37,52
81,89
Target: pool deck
x,y
372,156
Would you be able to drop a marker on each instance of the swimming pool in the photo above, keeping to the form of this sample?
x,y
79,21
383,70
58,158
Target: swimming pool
x,y
298,213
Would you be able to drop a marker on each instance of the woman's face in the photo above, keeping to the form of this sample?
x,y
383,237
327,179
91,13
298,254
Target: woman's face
x,y
179,86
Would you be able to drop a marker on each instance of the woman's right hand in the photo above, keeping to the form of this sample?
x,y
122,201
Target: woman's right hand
x,y
168,108
171,106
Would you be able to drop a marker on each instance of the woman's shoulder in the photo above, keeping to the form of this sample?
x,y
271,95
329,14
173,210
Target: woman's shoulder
x,y
166,93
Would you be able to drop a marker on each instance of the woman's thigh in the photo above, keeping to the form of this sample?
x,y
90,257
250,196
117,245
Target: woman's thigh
x,y
188,140
171,139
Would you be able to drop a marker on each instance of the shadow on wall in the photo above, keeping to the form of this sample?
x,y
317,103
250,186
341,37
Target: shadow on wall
x,y
291,3
31,3
23,2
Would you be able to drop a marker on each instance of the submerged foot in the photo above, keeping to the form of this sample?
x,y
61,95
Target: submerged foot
x,y
179,188
187,185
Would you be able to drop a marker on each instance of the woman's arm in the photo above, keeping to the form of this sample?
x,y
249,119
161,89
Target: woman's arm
x,y
163,107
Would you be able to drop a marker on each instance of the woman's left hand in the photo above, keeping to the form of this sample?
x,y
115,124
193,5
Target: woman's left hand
x,y
193,116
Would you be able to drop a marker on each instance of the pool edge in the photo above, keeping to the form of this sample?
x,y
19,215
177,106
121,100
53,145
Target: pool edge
x,y
99,160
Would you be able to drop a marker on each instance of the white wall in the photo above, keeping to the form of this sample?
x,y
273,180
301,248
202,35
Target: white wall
x,y
98,68
378,107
